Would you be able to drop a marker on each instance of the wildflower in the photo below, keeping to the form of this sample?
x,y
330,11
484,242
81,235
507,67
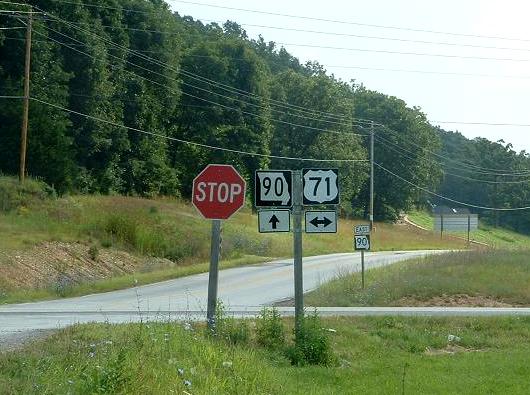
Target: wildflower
x,y
187,383
180,371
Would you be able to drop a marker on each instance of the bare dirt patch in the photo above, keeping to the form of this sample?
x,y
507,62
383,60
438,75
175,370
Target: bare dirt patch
x,y
54,263
457,300
450,349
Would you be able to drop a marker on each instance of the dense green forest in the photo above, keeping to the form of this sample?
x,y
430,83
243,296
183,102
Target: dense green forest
x,y
131,98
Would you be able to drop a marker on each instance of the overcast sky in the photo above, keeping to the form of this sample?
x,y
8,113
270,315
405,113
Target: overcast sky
x,y
491,91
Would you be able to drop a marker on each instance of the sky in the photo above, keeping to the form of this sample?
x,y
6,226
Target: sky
x,y
456,87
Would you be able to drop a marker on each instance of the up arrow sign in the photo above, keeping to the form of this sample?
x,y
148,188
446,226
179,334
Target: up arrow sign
x,y
274,221
321,222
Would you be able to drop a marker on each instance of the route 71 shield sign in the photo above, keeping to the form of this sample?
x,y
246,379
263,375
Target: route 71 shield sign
x,y
321,186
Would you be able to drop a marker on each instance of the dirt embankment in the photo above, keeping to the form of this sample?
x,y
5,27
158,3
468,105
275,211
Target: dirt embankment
x,y
64,264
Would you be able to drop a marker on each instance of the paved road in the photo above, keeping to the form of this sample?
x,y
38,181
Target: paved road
x,y
244,290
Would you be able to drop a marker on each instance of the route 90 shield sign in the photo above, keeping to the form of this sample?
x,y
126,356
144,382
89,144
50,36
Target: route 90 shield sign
x,y
274,188
321,186
361,242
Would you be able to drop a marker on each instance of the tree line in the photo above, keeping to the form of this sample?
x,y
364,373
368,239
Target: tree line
x,y
152,95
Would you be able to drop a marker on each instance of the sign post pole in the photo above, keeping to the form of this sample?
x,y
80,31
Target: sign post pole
x,y
361,241
213,278
362,269
297,252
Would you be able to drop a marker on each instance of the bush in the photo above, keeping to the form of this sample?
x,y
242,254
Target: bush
x,y
312,345
229,329
270,332
14,195
121,228
93,252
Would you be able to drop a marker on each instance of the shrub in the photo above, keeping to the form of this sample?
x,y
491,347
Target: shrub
x,y
93,252
121,228
14,195
270,332
312,345
229,329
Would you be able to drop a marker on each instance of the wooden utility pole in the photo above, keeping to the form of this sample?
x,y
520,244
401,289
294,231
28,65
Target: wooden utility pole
x,y
25,115
372,176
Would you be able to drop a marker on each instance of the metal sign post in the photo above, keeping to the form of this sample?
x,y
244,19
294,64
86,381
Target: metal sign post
x,y
362,269
362,242
215,250
297,252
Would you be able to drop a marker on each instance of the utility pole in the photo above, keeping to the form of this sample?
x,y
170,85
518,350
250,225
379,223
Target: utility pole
x,y
372,176
25,115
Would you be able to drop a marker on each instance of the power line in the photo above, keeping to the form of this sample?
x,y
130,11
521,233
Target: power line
x,y
211,147
485,123
347,122
185,92
348,22
478,169
203,99
429,72
443,165
394,39
384,51
447,198
203,79
12,97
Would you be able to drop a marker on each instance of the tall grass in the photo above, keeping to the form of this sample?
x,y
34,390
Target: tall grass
x,y
500,275
490,358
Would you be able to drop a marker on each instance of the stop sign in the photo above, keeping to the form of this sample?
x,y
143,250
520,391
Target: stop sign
x,y
218,191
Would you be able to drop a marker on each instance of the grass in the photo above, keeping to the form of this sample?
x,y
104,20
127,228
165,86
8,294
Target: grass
x,y
374,355
494,237
499,275
160,228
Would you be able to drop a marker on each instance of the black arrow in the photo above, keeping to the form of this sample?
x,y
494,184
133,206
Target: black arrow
x,y
274,221
315,221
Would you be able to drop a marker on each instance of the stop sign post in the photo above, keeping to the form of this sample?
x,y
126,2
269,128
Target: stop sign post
x,y
218,193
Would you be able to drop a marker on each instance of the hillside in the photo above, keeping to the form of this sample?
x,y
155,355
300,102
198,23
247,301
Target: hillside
x,y
80,244
496,237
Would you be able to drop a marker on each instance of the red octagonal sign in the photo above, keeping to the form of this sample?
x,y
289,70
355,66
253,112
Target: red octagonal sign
x,y
218,191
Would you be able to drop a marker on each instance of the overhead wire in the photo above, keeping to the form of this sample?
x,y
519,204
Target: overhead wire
x,y
402,153
255,114
203,79
343,22
212,147
447,198
342,34
254,154
491,171
201,98
347,122
384,51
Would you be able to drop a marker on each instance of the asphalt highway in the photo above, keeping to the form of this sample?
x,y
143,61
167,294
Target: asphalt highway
x,y
243,290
